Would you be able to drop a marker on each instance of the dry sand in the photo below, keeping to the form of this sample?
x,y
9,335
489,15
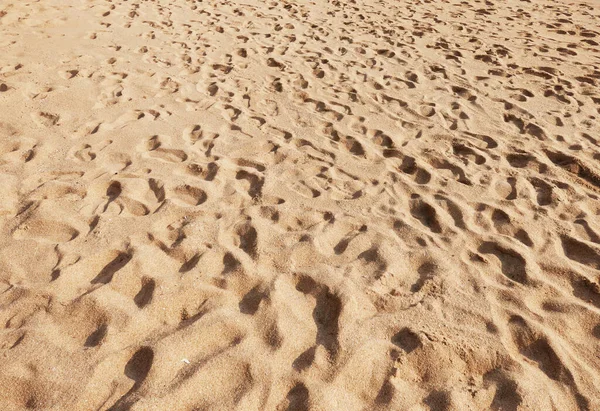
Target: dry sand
x,y
324,205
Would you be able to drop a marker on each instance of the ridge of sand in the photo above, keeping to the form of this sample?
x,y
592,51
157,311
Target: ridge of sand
x,y
328,205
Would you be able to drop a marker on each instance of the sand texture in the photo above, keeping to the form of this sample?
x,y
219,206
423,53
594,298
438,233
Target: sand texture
x,y
299,205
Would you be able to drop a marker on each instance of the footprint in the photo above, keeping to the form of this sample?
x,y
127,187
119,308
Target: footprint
x,y
156,149
407,339
507,396
137,368
144,296
544,191
256,183
342,245
504,225
248,239
305,360
190,195
193,133
96,338
426,214
45,119
580,252
583,228
105,276
507,189
251,301
190,264
512,263
468,154
158,188
575,166
538,349
458,172
116,162
46,230
464,93
68,74
133,207
453,209
297,398
409,166
84,153
230,264
326,313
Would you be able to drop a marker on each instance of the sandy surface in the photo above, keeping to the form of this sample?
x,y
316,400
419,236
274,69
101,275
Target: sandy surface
x,y
329,205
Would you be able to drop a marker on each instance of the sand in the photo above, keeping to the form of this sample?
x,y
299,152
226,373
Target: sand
x,y
299,205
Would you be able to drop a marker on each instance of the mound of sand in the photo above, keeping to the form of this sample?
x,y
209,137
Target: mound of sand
x,y
325,205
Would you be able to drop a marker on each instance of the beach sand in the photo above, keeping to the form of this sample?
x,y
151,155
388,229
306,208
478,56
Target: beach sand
x,y
299,205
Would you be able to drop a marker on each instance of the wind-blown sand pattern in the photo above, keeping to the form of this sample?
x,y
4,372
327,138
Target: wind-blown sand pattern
x,y
293,205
